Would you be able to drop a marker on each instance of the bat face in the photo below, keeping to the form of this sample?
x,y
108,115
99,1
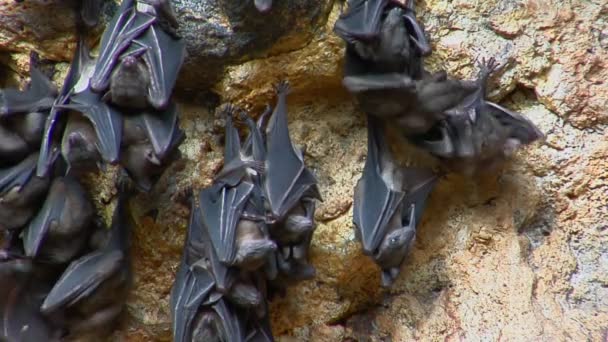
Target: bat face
x,y
129,83
79,144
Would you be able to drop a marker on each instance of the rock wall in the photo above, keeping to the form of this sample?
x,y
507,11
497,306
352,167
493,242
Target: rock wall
x,y
517,255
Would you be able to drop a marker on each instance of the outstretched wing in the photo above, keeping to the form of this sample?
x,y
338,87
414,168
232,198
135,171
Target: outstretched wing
x,y
375,202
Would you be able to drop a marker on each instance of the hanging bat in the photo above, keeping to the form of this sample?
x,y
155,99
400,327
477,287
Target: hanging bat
x,y
75,95
20,134
287,179
21,191
139,61
38,96
20,298
61,228
150,143
91,292
478,133
380,43
218,321
388,203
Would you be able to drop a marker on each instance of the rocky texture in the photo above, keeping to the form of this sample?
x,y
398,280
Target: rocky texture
x,y
518,255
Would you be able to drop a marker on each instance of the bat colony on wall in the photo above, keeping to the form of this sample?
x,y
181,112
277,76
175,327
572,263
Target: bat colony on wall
x,y
65,275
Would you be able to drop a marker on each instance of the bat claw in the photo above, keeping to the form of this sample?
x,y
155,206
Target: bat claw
x,y
283,88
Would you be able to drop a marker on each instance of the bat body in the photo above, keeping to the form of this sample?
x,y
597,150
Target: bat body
x,y
290,189
21,191
61,228
478,133
389,201
139,60
79,144
92,290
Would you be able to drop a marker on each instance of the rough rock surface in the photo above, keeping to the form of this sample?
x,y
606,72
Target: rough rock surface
x,y
518,255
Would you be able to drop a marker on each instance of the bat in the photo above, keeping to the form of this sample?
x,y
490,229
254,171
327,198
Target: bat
x,y
79,144
263,6
20,297
61,228
388,203
139,61
19,135
20,192
150,143
478,133
38,96
287,179
92,290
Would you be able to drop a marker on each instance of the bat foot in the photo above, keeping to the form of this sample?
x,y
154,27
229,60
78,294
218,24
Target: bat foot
x,y
283,88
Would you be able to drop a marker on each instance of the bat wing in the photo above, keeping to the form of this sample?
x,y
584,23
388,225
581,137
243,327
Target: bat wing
x,y
418,184
235,167
127,25
19,174
287,179
40,95
221,209
416,32
521,128
51,211
254,143
261,331
163,129
164,57
375,202
81,278
362,21
189,289
234,325
380,82
105,119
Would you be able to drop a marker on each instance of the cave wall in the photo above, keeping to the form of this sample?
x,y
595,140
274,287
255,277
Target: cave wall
x,y
521,254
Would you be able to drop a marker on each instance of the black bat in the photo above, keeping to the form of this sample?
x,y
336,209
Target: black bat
x,y
20,192
75,95
139,60
38,96
478,133
20,298
383,38
287,179
150,142
192,284
92,290
19,135
79,144
388,204
61,228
